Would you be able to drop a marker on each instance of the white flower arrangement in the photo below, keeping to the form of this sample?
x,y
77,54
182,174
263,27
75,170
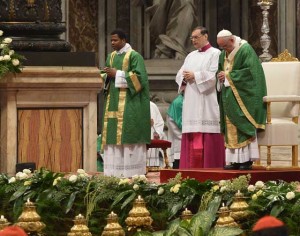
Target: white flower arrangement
x,y
136,187
290,195
73,178
160,191
139,178
21,175
124,181
10,61
259,184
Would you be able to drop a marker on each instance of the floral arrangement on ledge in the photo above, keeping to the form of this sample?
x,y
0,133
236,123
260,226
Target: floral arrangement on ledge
x,y
9,60
59,198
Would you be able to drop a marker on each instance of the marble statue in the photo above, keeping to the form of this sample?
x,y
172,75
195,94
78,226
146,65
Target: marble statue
x,y
171,23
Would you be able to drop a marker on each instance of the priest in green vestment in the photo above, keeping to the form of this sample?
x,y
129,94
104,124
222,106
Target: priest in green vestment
x,y
242,86
126,119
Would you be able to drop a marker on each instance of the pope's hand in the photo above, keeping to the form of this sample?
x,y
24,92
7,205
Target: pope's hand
x,y
221,76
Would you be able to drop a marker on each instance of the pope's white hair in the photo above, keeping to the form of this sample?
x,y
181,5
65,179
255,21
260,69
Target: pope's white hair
x,y
224,33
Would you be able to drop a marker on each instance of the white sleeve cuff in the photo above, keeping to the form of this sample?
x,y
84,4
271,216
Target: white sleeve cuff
x,y
120,80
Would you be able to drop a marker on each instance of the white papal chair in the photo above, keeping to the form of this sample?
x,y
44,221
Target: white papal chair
x,y
283,89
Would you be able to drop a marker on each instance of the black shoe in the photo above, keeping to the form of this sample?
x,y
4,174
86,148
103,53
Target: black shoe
x,y
246,165
232,166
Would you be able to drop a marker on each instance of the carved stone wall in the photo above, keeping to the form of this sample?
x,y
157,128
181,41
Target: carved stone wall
x,y
34,25
83,25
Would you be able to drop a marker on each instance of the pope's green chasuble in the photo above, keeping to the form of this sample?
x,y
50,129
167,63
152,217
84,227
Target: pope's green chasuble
x,y
242,108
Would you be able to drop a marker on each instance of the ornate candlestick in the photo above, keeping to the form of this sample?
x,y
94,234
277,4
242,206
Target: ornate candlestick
x,y
239,207
80,228
113,228
186,214
225,220
3,222
139,216
29,220
265,39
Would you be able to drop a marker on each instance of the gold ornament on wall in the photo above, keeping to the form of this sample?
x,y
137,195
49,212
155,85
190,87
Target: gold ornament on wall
x,y
139,216
113,228
239,207
80,227
29,220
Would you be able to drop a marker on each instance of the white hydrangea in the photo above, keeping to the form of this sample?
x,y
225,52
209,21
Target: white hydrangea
x,y
251,188
2,45
6,58
21,175
160,191
7,40
15,62
80,171
12,180
73,178
1,32
222,183
223,189
259,184
139,178
290,195
26,171
136,187
11,52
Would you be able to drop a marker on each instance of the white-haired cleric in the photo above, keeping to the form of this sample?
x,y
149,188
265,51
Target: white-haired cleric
x,y
242,86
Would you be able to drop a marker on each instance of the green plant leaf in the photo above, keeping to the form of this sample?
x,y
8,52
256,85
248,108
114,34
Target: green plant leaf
x,y
175,208
18,206
214,205
128,200
203,220
172,227
185,224
121,196
183,232
225,231
276,210
71,201
18,193
158,233
143,233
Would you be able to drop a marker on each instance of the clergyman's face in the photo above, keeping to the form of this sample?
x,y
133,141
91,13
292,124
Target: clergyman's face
x,y
198,40
116,42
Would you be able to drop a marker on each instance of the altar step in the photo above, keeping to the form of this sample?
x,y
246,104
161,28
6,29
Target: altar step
x,y
217,174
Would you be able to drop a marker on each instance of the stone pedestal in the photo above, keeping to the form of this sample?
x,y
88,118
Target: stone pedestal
x,y
49,116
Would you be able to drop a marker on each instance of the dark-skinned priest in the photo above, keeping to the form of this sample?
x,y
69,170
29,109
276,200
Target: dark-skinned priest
x,y
126,119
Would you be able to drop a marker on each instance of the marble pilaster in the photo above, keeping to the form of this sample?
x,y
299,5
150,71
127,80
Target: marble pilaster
x,y
62,92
